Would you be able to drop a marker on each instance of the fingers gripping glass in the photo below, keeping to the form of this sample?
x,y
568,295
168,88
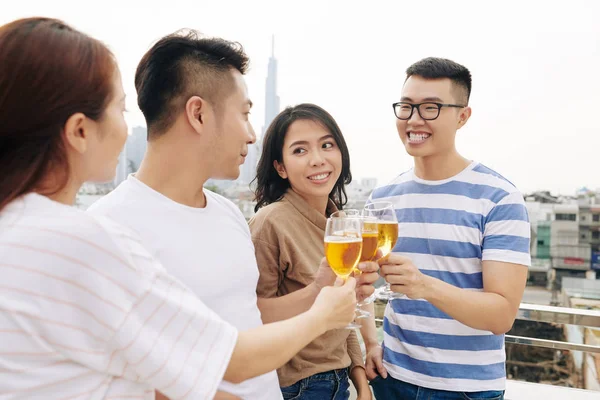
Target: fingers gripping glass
x,y
387,233
427,111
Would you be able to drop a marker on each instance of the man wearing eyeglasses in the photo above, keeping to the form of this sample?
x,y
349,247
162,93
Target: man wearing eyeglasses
x,y
459,266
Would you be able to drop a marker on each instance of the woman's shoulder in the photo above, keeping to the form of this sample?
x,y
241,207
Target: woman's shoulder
x,y
67,233
273,211
272,219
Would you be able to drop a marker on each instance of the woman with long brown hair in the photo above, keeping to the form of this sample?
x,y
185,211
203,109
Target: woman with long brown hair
x,y
300,182
85,311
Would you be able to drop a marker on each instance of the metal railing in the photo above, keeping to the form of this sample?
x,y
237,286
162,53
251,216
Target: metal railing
x,y
517,390
558,315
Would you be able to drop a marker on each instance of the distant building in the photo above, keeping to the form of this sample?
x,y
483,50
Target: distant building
x,y
136,146
358,192
248,172
121,172
566,250
565,234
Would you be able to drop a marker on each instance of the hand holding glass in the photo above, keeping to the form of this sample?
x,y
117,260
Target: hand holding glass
x,y
387,233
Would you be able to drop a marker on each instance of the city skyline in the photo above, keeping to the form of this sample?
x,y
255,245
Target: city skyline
x,y
248,169
272,106
132,154
529,80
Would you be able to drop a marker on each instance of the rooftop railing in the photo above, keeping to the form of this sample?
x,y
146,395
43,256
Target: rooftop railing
x,y
517,390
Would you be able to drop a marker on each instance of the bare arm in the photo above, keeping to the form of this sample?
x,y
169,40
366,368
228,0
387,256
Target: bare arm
x,y
274,262
280,308
368,329
357,369
268,347
272,265
493,310
361,384
374,360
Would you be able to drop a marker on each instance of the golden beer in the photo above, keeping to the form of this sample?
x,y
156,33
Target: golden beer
x,y
370,226
369,246
387,237
343,254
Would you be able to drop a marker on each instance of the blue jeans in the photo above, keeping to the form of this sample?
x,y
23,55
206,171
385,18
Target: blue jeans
x,y
330,385
393,389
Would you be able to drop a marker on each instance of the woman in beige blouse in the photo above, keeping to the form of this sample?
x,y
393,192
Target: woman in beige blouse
x,y
300,181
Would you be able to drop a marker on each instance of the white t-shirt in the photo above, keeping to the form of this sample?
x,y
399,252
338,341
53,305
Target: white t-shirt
x,y
87,313
210,249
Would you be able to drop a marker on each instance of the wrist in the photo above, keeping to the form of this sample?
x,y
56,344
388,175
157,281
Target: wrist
x,y
363,390
370,344
318,319
362,387
313,290
358,375
430,287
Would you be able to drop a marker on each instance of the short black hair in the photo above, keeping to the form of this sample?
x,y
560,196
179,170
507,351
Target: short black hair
x,y
436,68
181,65
270,187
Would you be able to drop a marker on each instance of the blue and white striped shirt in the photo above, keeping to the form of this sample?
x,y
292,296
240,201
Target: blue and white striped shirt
x,y
447,228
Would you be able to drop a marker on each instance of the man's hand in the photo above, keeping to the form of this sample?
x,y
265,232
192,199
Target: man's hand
x,y
404,277
374,363
335,306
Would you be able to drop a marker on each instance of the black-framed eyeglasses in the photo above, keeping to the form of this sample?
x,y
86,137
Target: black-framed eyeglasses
x,y
427,111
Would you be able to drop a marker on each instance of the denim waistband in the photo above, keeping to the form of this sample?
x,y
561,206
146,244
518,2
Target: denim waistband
x,y
333,375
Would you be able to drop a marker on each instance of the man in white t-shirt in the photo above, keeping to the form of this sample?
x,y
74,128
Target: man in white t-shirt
x,y
195,102
193,96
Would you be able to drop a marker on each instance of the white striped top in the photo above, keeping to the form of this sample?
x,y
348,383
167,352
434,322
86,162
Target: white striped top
x,y
448,228
86,313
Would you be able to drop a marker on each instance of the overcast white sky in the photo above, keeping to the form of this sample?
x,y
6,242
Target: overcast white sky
x,y
535,67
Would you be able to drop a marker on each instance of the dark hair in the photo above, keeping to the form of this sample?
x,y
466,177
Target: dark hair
x,y
270,187
435,68
182,65
49,71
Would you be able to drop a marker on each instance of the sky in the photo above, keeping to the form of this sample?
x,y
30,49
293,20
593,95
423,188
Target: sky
x,y
535,67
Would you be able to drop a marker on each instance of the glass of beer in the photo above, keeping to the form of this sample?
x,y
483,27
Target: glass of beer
x,y
369,235
369,232
343,247
387,233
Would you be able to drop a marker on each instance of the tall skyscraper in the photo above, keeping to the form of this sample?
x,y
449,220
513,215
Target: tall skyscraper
x,y
271,110
271,97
